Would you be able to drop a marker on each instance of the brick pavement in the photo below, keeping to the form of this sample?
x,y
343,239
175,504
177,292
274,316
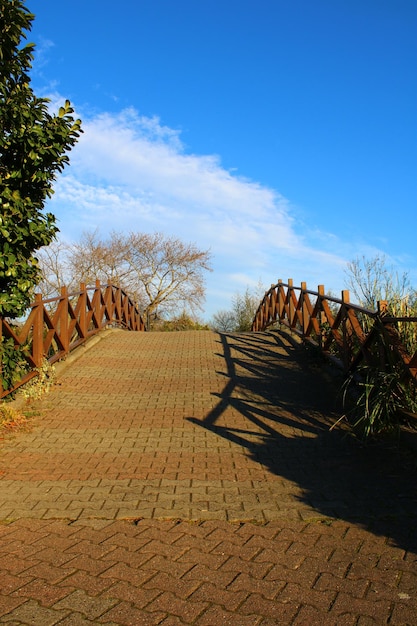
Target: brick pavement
x,y
191,478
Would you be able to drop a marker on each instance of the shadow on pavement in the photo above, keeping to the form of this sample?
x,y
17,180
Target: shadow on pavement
x,y
292,400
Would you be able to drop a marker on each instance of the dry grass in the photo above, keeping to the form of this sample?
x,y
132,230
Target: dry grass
x,y
11,419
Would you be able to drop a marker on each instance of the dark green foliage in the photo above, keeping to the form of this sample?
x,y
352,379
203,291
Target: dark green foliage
x,y
33,146
378,400
382,389
14,364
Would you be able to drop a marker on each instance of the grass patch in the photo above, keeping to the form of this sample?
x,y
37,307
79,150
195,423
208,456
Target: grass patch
x,y
11,419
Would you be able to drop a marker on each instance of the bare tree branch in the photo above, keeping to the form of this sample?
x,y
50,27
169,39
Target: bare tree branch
x,y
163,274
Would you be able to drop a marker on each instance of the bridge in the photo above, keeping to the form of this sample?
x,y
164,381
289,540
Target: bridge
x,y
192,478
344,332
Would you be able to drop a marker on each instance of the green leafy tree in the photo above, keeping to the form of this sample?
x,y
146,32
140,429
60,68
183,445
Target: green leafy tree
x,y
33,147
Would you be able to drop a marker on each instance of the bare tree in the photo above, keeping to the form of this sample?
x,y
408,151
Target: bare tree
x,y
53,263
372,280
240,317
223,321
163,274
94,258
244,307
168,273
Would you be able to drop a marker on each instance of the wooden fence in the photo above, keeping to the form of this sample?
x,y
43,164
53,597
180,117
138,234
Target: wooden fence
x,y
345,331
55,326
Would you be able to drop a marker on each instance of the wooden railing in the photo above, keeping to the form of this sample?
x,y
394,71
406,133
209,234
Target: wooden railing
x,y
55,326
345,331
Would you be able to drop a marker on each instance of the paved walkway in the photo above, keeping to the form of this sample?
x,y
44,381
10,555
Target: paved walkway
x,y
191,478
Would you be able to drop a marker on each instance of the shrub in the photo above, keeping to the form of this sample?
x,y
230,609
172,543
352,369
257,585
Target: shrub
x,y
376,400
42,384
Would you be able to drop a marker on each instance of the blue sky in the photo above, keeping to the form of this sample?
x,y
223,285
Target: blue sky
x,y
280,134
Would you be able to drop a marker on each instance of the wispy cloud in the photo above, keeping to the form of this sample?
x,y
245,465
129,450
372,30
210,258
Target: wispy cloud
x,y
131,173
43,53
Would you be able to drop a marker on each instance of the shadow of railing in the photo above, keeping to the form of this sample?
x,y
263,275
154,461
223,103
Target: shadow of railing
x,y
288,403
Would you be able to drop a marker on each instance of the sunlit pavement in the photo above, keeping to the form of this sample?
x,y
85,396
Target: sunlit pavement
x,y
191,478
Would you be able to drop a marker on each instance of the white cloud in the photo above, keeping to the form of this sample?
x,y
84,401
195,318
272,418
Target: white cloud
x,y
131,173
43,54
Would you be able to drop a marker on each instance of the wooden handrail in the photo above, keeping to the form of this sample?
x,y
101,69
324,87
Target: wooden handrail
x,y
345,331
55,326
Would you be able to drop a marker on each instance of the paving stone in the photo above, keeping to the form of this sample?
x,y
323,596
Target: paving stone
x,y
47,594
126,614
191,478
33,613
80,602
187,610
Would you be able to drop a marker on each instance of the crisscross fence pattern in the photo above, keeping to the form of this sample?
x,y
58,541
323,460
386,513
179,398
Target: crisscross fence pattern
x,y
55,326
343,330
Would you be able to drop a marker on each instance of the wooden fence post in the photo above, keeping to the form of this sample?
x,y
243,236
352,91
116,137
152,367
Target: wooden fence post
x,y
290,302
96,305
63,320
346,346
118,304
323,317
37,339
280,302
305,315
82,300
382,307
273,303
